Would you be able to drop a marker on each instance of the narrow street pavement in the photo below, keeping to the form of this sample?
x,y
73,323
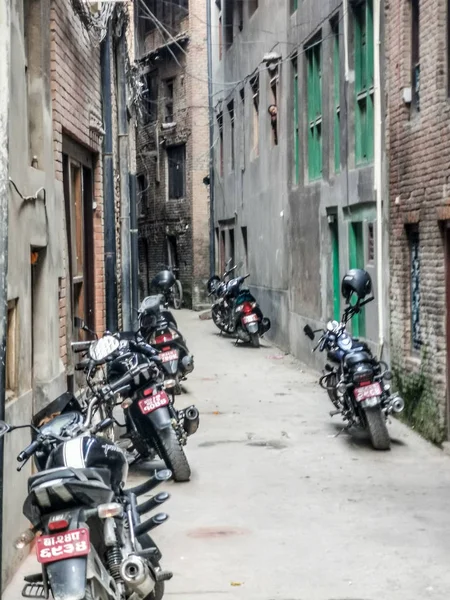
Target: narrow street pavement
x,y
279,508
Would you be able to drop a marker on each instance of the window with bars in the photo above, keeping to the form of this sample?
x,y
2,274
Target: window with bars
x,y
220,126
176,159
414,249
230,108
363,54
294,5
336,96
254,83
150,97
168,100
295,116
142,193
370,243
415,54
314,102
229,15
274,86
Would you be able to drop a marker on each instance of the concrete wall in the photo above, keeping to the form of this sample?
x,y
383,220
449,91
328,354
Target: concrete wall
x,y
289,239
186,219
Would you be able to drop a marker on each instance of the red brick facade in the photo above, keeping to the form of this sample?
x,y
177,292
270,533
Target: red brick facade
x,y
418,146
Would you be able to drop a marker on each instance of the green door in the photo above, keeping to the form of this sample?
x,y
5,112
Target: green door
x,y
336,274
356,254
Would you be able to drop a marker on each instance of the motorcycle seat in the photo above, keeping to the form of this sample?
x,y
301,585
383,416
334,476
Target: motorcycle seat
x,y
100,475
151,304
355,357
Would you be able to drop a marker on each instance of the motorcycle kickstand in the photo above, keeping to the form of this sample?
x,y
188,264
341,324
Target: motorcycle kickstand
x,y
345,428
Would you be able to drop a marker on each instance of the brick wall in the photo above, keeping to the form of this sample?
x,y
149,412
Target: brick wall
x,y
418,145
187,219
76,86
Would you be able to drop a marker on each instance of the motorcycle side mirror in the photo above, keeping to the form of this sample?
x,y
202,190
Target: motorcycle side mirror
x,y
4,428
308,332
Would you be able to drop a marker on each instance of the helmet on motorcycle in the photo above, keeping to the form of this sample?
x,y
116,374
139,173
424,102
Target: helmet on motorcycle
x,y
358,282
212,284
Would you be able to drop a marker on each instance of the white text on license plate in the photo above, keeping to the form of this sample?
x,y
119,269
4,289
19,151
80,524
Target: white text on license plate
x,y
148,405
168,356
367,391
250,318
59,546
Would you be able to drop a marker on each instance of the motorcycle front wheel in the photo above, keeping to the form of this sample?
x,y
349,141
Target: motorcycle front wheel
x,y
378,431
173,454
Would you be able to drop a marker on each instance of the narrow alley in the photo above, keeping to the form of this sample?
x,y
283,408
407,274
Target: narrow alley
x,y
279,508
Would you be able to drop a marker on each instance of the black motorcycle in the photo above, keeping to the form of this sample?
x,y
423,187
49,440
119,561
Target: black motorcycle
x,y
152,424
236,311
357,383
160,330
166,283
92,543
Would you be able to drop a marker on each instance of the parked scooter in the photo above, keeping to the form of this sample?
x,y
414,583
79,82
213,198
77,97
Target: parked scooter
x,y
356,381
92,543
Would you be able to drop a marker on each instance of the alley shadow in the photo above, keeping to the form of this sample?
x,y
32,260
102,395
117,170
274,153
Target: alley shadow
x,y
359,438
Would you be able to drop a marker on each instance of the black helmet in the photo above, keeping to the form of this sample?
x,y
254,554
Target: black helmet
x,y
213,284
358,282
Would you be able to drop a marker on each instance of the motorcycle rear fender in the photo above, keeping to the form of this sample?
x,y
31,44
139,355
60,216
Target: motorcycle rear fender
x,y
160,418
67,579
171,367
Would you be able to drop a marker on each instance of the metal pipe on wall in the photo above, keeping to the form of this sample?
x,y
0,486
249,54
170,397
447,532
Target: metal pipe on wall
x,y
378,176
134,252
125,239
212,253
108,188
5,39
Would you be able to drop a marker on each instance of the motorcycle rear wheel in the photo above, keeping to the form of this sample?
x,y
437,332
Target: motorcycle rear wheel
x,y
177,295
254,339
378,431
173,455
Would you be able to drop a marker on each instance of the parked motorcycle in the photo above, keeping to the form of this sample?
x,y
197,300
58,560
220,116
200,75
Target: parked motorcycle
x,y
93,544
161,331
235,310
153,425
357,382
166,283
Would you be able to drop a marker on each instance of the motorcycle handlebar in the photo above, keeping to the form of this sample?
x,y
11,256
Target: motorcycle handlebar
x,y
29,451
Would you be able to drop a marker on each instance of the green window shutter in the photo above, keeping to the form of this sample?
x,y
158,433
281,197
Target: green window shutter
x,y
356,255
296,123
337,129
336,274
364,56
314,95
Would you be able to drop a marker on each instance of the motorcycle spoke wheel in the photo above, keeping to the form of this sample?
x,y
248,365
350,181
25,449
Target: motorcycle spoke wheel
x,y
173,455
177,295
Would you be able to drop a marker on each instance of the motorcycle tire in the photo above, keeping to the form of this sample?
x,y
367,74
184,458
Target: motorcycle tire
x,y
332,381
378,431
217,318
173,455
254,339
177,295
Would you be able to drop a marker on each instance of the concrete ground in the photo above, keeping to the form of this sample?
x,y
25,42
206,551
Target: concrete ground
x,y
279,508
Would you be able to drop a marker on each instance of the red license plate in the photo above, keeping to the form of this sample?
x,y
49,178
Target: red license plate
x,y
250,318
168,356
148,405
59,546
367,391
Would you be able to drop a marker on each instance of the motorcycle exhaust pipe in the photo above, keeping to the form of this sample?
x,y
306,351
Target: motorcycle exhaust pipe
x,y
188,364
191,420
149,505
136,576
264,326
397,404
148,486
150,524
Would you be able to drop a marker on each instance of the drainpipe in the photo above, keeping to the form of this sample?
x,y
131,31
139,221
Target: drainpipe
x,y
378,156
5,39
125,240
212,241
108,188
134,252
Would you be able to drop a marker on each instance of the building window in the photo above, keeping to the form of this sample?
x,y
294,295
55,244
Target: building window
x,y
242,129
415,54
363,27
220,126
142,193
295,116
254,83
414,249
229,13
176,159
294,5
370,243
150,97
240,8
230,107
337,98
334,230
252,7
314,101
168,101
245,246
12,347
232,248
273,108
146,19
